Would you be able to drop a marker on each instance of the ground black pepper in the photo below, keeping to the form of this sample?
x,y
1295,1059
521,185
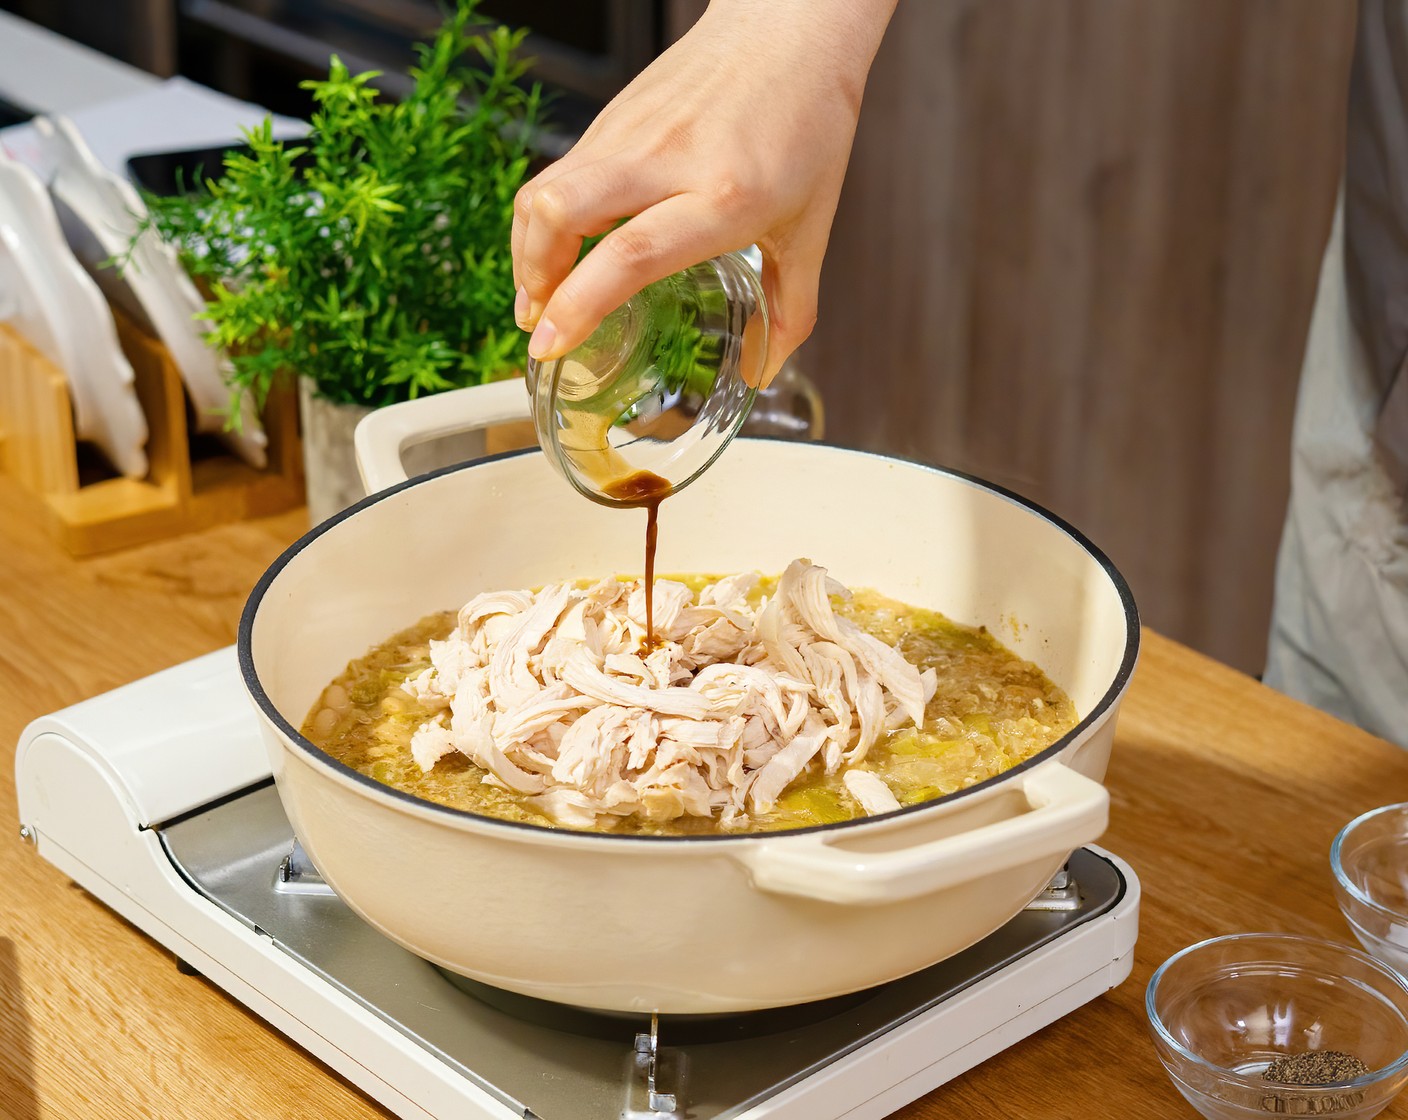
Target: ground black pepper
x,y
1309,1069
1315,1067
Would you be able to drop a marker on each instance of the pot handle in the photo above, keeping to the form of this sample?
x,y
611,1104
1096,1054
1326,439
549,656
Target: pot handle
x,y
385,433
1066,810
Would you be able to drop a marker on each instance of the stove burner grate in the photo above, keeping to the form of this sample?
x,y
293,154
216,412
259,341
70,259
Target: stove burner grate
x,y
678,1030
546,1061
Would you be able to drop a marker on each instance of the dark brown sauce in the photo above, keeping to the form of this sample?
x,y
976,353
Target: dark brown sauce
x,y
643,488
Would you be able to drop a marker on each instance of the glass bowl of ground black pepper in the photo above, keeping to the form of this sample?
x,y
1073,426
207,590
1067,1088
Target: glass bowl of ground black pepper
x,y
1369,860
1261,1024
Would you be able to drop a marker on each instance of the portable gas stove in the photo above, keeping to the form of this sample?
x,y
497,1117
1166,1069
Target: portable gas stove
x,y
157,798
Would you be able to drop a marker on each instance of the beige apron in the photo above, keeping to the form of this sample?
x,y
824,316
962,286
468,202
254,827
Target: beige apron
x,y
1339,630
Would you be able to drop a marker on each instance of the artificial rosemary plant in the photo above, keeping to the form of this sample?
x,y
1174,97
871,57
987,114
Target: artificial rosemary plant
x,y
373,255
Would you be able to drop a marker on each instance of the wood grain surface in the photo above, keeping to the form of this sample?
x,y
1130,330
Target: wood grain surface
x,y
1225,799
1076,253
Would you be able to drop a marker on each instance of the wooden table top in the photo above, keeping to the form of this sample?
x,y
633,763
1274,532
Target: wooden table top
x,y
1225,797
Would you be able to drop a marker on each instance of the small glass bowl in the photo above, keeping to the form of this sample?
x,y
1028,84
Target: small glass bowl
x,y
661,386
1222,1010
1369,860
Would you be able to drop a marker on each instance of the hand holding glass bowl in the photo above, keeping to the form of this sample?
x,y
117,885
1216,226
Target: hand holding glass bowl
x,y
660,387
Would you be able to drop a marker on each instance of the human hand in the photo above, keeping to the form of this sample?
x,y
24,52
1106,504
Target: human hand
x,y
738,134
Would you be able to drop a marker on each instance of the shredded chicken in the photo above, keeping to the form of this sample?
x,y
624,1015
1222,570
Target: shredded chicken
x,y
871,791
554,695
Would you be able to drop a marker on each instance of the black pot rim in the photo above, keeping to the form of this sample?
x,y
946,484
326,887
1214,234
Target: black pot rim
x,y
322,758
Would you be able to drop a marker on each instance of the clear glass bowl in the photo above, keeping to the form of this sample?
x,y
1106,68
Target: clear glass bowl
x,y
1222,1010
1369,860
661,386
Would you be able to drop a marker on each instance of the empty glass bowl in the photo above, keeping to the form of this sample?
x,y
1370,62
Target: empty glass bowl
x,y
1222,1010
1369,859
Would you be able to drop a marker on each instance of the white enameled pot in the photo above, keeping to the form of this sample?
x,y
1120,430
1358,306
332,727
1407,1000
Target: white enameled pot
x,y
700,924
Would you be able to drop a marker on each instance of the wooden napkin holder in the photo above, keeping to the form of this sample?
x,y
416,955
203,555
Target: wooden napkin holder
x,y
189,485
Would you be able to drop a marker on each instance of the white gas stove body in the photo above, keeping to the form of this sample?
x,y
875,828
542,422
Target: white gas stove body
x,y
97,782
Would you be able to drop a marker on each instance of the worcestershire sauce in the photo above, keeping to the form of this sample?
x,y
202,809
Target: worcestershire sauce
x,y
642,488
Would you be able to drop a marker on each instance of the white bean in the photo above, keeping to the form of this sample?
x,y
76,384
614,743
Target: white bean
x,y
324,722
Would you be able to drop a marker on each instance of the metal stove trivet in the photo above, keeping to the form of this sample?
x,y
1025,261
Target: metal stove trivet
x,y
585,1066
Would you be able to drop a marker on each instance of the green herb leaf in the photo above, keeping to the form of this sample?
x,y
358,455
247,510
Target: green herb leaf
x,y
372,255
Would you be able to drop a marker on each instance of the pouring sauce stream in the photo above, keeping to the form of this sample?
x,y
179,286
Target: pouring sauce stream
x,y
644,488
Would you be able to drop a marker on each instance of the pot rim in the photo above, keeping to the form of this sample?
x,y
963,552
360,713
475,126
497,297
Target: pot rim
x,y
319,757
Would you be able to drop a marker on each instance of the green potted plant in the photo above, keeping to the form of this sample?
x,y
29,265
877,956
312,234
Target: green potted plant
x,y
371,258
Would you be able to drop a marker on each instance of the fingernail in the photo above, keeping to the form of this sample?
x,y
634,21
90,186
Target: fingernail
x,y
540,345
526,310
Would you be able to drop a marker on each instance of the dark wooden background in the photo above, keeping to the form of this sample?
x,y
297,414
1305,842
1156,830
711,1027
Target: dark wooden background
x,y
1076,254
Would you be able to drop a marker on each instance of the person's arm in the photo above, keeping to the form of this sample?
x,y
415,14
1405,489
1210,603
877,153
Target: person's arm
x,y
738,134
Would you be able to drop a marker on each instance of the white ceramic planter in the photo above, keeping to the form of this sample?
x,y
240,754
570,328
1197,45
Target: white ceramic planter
x,y
701,924
330,463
